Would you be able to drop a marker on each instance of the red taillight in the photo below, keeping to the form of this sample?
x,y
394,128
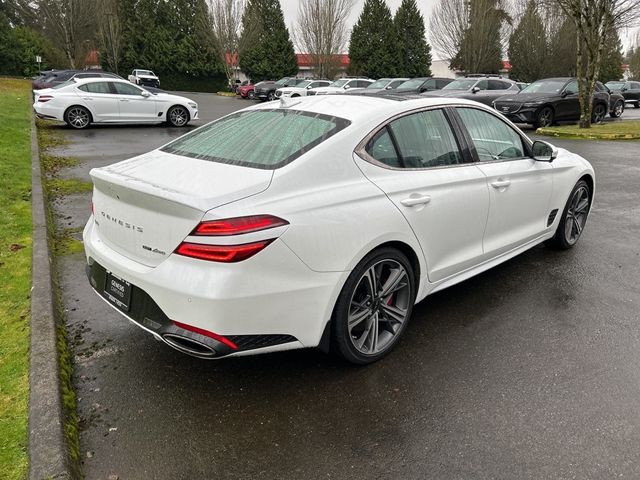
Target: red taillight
x,y
207,333
44,98
239,225
221,253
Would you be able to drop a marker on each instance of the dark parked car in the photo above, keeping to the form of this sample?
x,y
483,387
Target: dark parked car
x,y
56,77
616,100
481,89
267,90
629,90
546,101
422,84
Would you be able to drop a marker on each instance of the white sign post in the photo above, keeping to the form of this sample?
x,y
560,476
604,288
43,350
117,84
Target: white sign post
x,y
38,61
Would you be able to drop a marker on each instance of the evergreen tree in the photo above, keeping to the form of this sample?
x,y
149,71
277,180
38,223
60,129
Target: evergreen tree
x,y
373,47
480,49
414,53
267,51
634,63
528,47
612,58
563,51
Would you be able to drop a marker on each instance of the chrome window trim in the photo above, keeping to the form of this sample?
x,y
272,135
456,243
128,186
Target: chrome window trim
x,y
360,149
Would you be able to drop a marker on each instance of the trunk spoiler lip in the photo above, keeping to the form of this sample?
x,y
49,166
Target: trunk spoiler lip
x,y
106,175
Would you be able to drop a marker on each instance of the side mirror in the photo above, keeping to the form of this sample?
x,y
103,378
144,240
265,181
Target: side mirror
x,y
308,87
544,152
624,89
347,87
475,89
145,94
388,87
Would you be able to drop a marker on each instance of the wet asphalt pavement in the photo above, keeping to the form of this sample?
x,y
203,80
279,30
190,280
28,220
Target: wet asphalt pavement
x,y
530,370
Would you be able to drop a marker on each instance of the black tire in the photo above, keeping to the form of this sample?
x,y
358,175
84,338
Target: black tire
x,y
295,95
599,113
78,117
576,212
637,104
617,109
251,95
271,96
178,116
383,317
544,118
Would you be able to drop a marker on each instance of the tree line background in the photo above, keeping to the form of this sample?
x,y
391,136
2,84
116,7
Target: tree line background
x,y
196,44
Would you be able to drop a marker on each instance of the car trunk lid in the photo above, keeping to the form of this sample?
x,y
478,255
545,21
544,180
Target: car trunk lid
x,y
144,207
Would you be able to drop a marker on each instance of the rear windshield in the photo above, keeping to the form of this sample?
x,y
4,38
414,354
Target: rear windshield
x,y
266,139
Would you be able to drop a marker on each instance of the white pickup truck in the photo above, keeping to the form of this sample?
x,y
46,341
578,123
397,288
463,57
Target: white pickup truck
x,y
144,78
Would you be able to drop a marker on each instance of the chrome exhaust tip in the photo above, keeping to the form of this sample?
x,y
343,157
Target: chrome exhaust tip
x,y
189,346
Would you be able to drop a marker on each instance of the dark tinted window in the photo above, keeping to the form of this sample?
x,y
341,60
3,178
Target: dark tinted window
x,y
126,89
381,148
635,85
88,75
96,87
493,138
430,84
572,87
396,83
442,83
265,139
424,140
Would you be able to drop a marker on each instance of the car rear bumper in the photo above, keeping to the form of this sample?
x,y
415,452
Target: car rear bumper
x,y
42,110
269,302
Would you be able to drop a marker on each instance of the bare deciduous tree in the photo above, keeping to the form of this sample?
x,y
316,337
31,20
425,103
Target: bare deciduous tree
x,y
322,32
594,19
109,33
226,20
469,32
68,22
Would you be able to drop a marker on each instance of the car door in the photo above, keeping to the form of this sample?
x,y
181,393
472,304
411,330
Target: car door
x,y
568,103
635,91
101,101
417,161
519,187
135,106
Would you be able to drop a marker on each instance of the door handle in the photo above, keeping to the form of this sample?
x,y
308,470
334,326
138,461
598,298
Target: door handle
x,y
87,98
124,99
417,200
501,183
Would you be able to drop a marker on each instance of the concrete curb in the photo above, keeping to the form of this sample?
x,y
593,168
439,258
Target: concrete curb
x,y
48,456
551,132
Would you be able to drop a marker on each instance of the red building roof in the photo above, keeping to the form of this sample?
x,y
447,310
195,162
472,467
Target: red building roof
x,y
306,59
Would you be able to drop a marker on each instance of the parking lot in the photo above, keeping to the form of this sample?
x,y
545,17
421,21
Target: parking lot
x,y
530,370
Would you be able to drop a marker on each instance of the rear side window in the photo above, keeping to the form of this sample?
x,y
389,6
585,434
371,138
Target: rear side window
x,y
423,140
266,139
96,87
126,89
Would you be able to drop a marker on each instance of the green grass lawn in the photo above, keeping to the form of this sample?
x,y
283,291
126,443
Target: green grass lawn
x,y
622,130
15,273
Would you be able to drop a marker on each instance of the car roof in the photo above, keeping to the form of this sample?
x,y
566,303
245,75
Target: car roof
x,y
82,81
362,108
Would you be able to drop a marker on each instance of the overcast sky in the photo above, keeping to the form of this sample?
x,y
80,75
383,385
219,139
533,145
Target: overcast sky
x,y
290,9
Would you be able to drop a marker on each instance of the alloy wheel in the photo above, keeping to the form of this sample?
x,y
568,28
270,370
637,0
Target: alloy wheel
x,y
545,118
576,215
379,306
78,117
599,113
178,116
618,109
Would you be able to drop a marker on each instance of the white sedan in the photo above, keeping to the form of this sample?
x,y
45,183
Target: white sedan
x,y
322,221
80,103
341,86
301,89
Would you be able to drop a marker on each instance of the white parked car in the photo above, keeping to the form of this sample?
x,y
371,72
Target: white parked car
x,y
301,89
322,222
144,78
341,86
80,103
